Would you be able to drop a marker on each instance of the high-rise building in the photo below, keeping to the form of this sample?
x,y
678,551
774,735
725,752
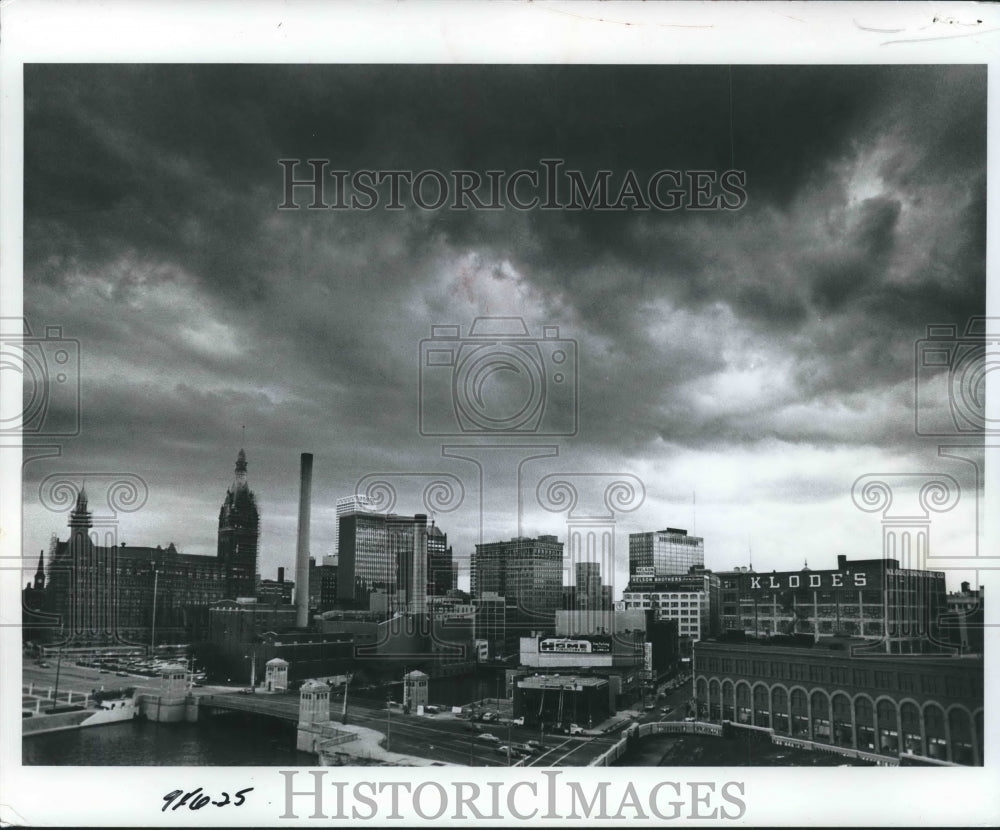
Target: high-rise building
x,y
440,567
408,547
528,571
383,552
664,553
347,505
239,533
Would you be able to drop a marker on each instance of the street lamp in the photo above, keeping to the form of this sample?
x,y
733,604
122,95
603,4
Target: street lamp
x,y
388,721
152,635
343,713
62,643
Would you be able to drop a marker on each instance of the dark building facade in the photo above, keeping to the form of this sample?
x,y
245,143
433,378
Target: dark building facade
x,y
693,600
870,598
528,572
239,534
665,552
836,692
275,591
964,625
108,595
234,630
34,623
117,594
382,552
440,567
323,584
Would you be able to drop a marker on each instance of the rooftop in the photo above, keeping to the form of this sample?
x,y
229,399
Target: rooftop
x,y
557,681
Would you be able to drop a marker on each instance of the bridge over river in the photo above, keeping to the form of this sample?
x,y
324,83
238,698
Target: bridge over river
x,y
284,706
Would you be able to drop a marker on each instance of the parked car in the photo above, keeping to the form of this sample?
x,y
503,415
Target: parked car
x,y
518,721
533,744
503,749
122,673
489,716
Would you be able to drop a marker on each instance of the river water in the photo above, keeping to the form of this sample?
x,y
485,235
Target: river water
x,y
219,741
231,740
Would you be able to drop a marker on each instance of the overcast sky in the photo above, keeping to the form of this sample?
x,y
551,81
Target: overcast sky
x,y
760,358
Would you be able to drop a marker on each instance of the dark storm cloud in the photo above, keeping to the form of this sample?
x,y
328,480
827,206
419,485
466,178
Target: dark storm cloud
x,y
151,232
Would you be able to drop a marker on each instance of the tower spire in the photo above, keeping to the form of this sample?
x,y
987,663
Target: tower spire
x,y
241,471
40,573
80,517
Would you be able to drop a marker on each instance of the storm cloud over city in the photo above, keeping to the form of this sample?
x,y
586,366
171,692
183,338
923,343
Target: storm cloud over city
x,y
747,365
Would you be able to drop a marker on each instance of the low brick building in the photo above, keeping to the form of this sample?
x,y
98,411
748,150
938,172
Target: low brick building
x,y
842,692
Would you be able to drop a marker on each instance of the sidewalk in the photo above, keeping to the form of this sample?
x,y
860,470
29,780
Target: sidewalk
x,y
622,718
368,745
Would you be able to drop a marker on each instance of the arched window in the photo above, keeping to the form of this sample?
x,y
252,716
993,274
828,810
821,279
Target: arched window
x,y
820,716
743,714
715,700
702,695
799,706
909,723
864,717
888,729
937,743
779,709
961,736
728,701
761,706
843,729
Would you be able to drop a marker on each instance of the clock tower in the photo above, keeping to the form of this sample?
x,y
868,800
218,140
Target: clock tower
x,y
239,532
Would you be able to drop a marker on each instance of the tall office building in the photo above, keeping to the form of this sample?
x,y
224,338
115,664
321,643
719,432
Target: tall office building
x,y
382,552
440,566
239,533
347,505
664,553
528,571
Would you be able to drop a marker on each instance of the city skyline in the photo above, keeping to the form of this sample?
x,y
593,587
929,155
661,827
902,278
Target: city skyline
x,y
746,365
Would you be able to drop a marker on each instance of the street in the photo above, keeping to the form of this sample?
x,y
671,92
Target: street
x,y
443,737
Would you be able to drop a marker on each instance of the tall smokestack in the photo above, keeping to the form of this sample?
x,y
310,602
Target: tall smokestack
x,y
302,550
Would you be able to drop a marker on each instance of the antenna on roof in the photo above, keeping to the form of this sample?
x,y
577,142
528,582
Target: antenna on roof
x,y
694,512
243,437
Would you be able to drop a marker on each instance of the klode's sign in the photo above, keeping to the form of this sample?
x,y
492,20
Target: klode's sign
x,y
809,580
